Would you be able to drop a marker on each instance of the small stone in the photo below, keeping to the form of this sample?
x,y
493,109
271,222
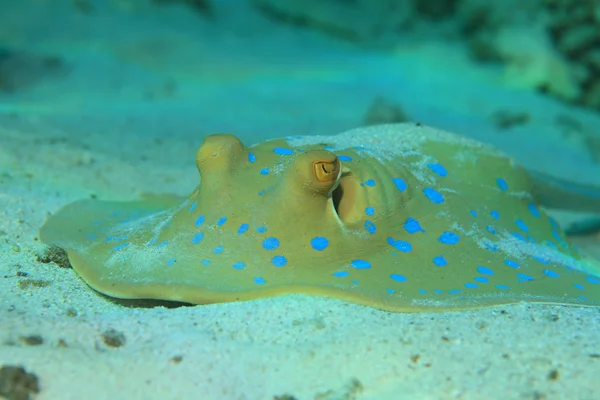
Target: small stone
x,y
32,283
32,340
71,312
17,384
56,255
113,338
176,359
553,375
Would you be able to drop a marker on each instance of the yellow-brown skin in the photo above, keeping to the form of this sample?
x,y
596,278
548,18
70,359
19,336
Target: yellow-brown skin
x,y
312,194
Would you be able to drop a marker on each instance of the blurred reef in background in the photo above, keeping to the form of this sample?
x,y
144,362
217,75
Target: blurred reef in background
x,y
550,45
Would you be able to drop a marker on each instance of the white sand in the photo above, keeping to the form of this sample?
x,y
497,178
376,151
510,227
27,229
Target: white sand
x,y
97,133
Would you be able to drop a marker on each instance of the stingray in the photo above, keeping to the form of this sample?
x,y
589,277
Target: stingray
x,y
399,217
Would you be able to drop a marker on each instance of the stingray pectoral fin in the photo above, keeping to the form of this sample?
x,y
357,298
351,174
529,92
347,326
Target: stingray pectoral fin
x,y
147,281
553,192
86,220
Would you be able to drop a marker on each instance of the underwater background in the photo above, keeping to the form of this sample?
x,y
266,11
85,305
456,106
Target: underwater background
x,y
111,99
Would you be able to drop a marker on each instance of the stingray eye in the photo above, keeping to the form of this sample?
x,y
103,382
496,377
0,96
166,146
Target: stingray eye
x,y
327,171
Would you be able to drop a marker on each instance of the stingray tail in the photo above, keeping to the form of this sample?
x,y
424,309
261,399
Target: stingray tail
x,y
558,193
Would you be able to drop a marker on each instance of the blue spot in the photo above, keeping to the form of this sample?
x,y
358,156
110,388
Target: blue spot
x,y
539,259
197,237
400,184
491,229
559,239
370,227
412,226
369,211
218,250
484,270
554,223
262,192
282,151
550,273
340,274
193,206
471,285
270,243
533,209
473,213
243,228
511,263
205,262
502,184
438,169
482,279
170,262
239,265
355,282
251,157
400,245
578,286
345,158
398,277
264,171
522,225
120,247
279,261
438,291
440,261
261,229
319,243
200,220
422,291
433,195
390,291
593,280
450,238
518,236
495,214
454,291
370,182
221,221
360,264
524,277
502,287
259,280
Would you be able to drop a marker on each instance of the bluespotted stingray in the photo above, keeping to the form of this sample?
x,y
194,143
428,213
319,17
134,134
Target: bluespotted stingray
x,y
399,217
